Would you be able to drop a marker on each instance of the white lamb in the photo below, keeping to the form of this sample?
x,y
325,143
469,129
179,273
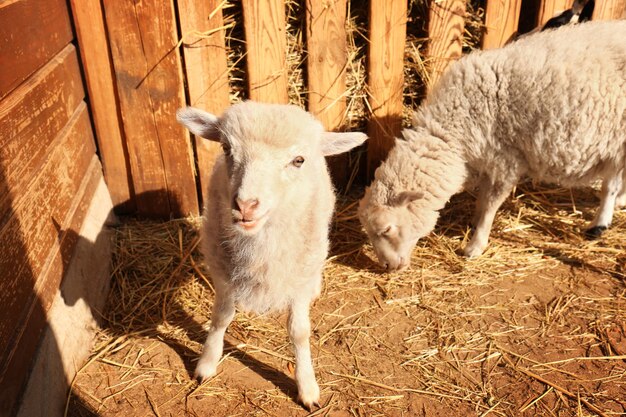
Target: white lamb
x,y
551,107
265,230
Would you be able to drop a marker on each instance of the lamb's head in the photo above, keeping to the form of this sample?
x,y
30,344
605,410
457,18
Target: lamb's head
x,y
274,156
394,224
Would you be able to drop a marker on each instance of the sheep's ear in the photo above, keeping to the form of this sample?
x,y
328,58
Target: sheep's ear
x,y
406,197
334,143
199,122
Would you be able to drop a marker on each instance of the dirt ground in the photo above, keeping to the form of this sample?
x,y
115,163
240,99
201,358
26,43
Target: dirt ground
x,y
534,327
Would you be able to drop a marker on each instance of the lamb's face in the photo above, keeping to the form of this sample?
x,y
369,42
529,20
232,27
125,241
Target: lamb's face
x,y
394,229
265,178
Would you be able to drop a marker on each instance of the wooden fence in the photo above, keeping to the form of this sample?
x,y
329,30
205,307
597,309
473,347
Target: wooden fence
x,y
143,60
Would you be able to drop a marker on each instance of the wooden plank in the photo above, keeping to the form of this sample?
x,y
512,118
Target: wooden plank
x,y
501,21
385,77
98,69
149,78
31,117
264,23
31,233
31,32
550,8
206,67
445,30
326,65
609,9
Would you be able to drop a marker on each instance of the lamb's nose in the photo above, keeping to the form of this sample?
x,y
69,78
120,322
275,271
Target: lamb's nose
x,y
247,207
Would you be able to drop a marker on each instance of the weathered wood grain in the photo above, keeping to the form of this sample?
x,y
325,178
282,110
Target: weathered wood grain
x,y
550,8
30,118
445,30
501,21
149,78
206,67
31,32
385,75
98,69
29,236
326,66
609,9
264,23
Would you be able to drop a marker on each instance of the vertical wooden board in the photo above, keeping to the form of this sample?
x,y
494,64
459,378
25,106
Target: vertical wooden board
x,y
609,9
326,65
550,8
150,86
32,231
501,21
97,66
206,67
445,30
385,77
31,116
264,23
31,32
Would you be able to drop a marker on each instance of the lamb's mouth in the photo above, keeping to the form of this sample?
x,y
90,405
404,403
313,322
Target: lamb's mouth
x,y
249,224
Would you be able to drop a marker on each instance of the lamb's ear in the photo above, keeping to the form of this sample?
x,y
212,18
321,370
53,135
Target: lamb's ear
x,y
334,143
199,122
406,197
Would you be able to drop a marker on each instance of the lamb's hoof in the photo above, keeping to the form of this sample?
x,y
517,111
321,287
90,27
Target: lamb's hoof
x,y
594,232
473,251
309,396
204,371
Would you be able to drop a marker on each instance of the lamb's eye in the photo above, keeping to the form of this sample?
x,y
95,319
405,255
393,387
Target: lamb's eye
x,y
386,231
297,161
226,149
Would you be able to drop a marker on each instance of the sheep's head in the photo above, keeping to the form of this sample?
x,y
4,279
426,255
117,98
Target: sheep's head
x,y
395,226
274,153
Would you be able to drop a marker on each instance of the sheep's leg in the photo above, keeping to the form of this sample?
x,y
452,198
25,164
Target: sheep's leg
x,y
490,196
299,332
620,200
223,313
610,189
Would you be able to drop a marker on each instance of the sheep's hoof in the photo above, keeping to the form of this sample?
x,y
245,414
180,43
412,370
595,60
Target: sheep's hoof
x,y
309,396
204,371
594,232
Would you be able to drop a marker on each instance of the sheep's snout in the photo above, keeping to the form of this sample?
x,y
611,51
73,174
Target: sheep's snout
x,y
247,214
398,264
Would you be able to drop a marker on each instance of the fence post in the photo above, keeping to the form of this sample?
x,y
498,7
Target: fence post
x,y
265,23
446,25
549,8
609,9
206,67
149,77
326,65
501,21
385,77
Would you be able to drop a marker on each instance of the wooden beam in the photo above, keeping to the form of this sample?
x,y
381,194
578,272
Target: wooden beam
x,y
264,23
98,68
31,33
609,9
326,66
206,67
501,21
446,25
148,71
385,75
550,8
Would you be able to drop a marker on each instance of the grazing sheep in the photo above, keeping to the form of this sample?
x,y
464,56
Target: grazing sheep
x,y
551,107
265,230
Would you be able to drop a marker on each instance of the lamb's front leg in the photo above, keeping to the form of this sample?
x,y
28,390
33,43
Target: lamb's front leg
x,y
299,332
223,313
610,189
490,198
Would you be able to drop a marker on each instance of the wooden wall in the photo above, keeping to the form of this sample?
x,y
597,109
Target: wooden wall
x,y
48,173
